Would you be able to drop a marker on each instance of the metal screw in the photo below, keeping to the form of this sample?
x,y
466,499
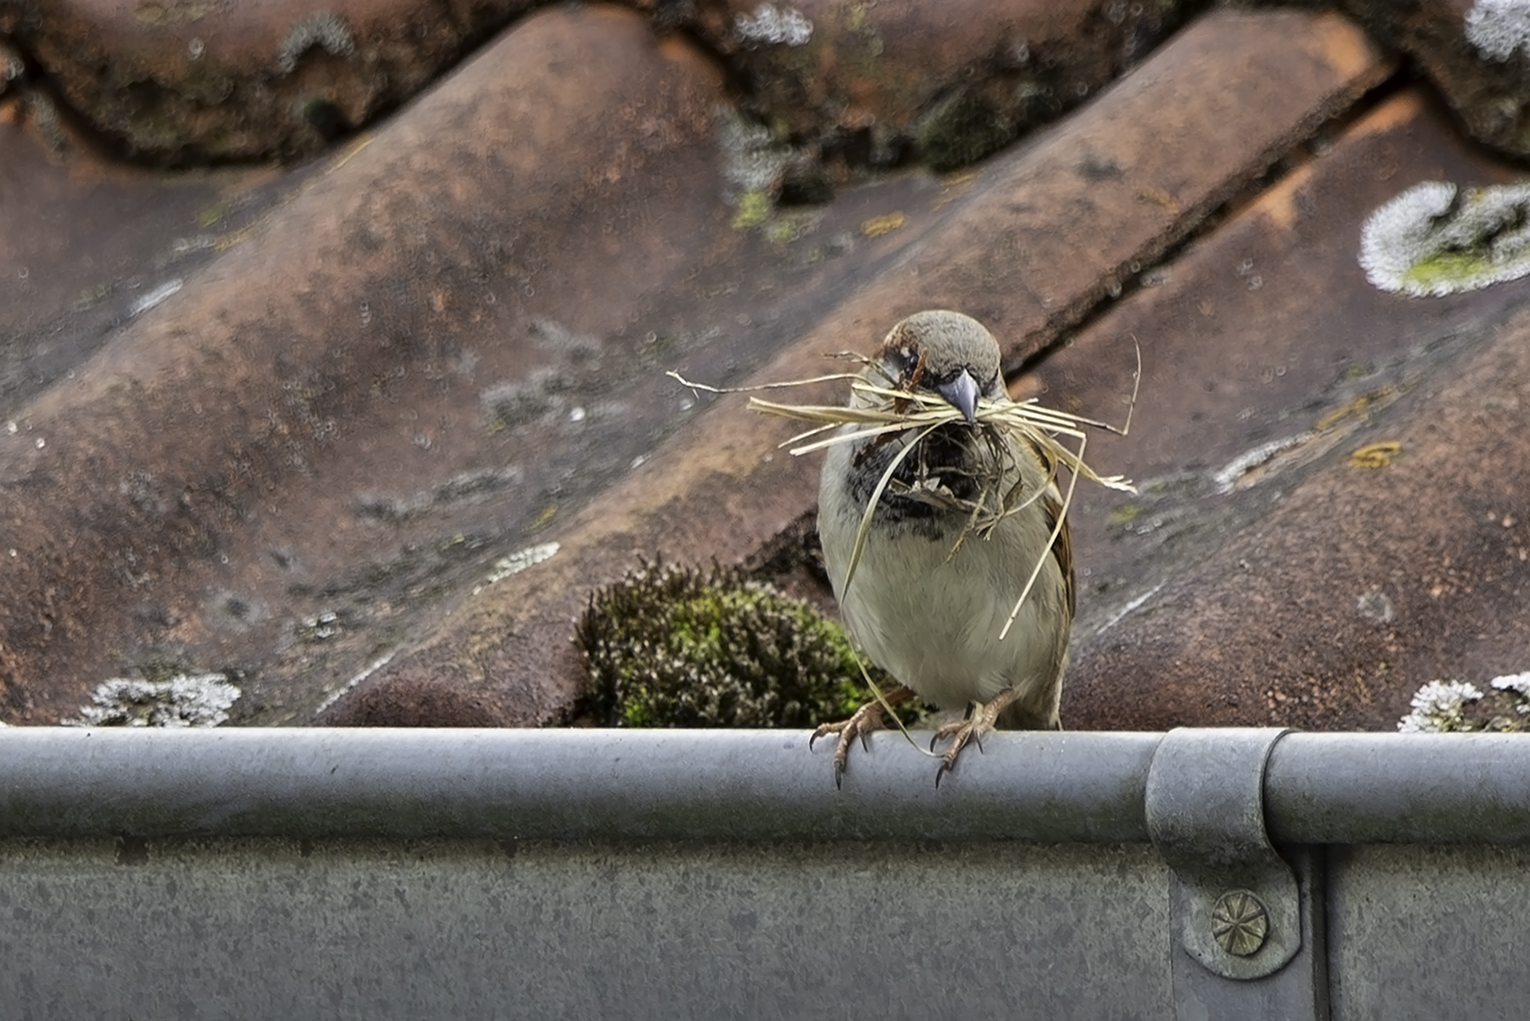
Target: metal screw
x,y
1240,923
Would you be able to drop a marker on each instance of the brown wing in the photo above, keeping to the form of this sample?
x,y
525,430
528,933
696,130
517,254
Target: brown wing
x,y
1062,549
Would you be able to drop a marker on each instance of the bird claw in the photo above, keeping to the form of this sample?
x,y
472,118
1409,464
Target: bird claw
x,y
971,729
978,725
862,723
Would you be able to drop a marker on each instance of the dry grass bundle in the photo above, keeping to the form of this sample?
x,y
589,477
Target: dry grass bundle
x,y
1005,426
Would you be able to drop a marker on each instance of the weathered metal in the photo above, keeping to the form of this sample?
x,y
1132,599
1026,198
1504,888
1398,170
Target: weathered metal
x,y
414,873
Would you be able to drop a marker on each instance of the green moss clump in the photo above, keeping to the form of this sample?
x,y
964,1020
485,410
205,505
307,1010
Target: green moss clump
x,y
961,129
806,182
673,647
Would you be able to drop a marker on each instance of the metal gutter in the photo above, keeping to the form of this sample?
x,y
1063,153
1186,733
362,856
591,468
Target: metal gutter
x,y
726,785
576,785
1399,789
377,874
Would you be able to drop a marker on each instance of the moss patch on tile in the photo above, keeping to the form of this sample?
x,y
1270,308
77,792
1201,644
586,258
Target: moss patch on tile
x,y
677,647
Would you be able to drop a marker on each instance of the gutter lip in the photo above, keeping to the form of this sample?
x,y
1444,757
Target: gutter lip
x,y
723,786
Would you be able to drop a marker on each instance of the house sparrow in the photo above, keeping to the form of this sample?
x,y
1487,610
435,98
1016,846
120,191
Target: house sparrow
x,y
929,598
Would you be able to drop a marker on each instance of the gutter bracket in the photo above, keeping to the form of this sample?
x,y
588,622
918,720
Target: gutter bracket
x,y
1237,909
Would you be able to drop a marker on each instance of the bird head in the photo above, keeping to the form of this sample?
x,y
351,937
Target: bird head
x,y
944,353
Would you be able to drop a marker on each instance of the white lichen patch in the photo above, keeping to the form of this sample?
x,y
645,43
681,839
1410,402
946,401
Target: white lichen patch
x,y
1132,606
1228,478
753,162
189,700
155,297
1456,706
1376,607
12,66
367,671
324,29
1435,239
541,393
518,561
1518,686
773,26
1438,707
1499,27
320,627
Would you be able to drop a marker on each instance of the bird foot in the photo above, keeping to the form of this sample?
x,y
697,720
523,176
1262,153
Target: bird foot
x,y
866,720
978,725
863,722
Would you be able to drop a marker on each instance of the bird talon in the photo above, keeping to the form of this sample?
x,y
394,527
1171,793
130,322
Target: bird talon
x,y
978,724
862,723
951,730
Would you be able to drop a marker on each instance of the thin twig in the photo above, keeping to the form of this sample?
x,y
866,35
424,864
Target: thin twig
x,y
693,387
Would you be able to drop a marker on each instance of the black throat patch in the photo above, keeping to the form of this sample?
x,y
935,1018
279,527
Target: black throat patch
x,y
947,459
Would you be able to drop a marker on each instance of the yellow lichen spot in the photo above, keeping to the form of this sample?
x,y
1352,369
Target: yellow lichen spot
x,y
1359,409
543,519
212,215
789,227
753,210
90,297
1375,455
953,187
154,13
879,225
1159,197
229,240
1355,407
1125,513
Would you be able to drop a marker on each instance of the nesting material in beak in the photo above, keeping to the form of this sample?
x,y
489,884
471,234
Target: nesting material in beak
x,y
962,394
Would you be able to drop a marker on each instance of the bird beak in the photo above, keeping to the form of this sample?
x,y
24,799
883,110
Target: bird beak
x,y
962,394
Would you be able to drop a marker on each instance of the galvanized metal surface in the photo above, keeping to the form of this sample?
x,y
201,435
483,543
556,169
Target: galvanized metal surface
x,y
1205,811
744,785
1299,989
1428,933
564,784
1399,789
382,874
377,930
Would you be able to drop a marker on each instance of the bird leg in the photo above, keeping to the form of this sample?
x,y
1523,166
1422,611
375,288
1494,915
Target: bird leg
x,y
978,725
862,723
